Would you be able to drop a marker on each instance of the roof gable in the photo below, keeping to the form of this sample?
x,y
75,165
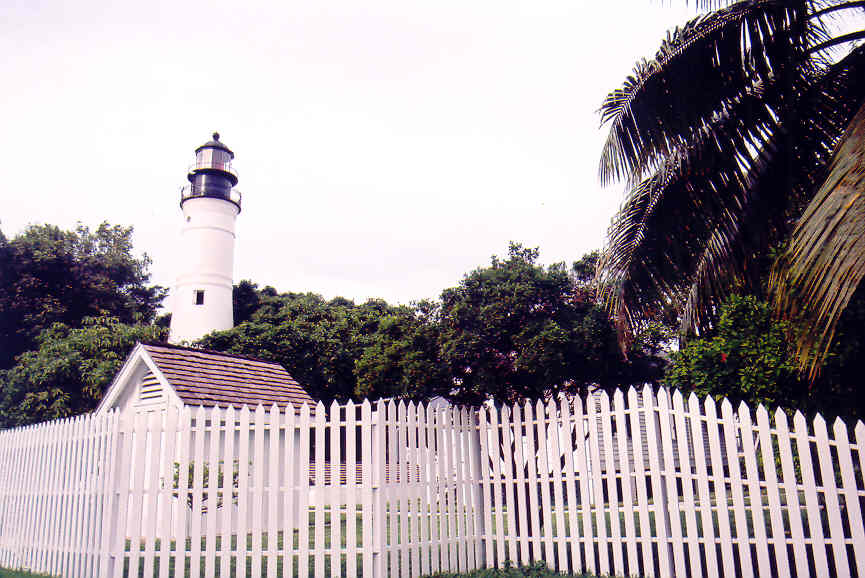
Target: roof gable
x,y
210,378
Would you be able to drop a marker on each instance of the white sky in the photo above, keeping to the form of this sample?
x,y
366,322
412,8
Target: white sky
x,y
384,147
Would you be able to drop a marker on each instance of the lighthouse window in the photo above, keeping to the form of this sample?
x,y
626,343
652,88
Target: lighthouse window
x,y
199,297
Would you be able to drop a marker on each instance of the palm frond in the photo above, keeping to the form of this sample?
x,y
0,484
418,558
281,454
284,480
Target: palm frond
x,y
684,218
825,261
712,59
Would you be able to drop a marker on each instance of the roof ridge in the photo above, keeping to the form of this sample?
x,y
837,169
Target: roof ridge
x,y
208,351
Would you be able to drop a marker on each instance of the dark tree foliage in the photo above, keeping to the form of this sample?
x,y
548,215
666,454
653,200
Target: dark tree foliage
x,y
750,357
48,276
517,330
69,370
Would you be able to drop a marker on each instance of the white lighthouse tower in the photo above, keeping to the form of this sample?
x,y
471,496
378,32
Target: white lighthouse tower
x,y
210,205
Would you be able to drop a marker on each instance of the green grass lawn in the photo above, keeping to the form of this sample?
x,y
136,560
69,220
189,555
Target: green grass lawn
x,y
6,573
537,570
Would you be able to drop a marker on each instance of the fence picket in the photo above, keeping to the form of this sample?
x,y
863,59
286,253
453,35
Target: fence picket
x,y
630,537
773,495
413,487
243,491
609,473
659,506
582,464
543,466
425,483
791,493
702,476
352,487
671,494
636,410
225,556
401,497
273,488
571,485
510,439
213,466
687,477
151,463
557,474
754,492
521,485
812,507
319,519
532,459
367,441
851,498
741,523
830,497
334,495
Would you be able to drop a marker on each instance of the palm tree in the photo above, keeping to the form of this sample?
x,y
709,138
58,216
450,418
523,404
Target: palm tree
x,y
741,138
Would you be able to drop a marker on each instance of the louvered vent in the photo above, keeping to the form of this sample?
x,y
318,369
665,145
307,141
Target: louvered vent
x,y
151,390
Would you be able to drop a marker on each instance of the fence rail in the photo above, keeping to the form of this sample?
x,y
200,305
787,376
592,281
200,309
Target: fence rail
x,y
638,483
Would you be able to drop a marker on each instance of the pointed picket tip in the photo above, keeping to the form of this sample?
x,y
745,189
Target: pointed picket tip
x,y
840,428
677,396
859,429
744,411
366,405
663,394
632,389
349,404
400,406
780,415
410,406
527,407
289,408
726,406
819,421
693,398
506,412
762,411
799,420
619,396
274,409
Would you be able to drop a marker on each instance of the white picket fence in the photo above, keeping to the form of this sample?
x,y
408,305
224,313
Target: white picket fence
x,y
640,483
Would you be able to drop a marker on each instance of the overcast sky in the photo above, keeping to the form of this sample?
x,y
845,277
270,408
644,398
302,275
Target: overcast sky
x,y
384,148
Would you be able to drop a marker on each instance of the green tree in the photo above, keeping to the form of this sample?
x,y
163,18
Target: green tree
x,y
69,371
402,357
749,357
517,330
725,140
50,276
317,341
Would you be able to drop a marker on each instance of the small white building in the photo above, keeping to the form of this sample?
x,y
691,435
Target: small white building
x,y
156,376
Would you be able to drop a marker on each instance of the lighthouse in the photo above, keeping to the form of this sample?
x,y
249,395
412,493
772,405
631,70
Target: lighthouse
x,y
210,205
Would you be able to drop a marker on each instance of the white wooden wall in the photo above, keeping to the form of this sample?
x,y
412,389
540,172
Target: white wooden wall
x,y
403,490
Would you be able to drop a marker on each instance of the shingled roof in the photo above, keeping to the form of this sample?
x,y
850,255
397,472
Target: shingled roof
x,y
211,378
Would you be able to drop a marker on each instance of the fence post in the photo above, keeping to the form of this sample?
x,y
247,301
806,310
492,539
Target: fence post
x,y
378,465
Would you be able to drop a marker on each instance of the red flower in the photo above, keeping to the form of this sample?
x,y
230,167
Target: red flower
x,y
724,357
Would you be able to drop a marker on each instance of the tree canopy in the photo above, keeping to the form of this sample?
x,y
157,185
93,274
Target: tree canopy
x,y
48,276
